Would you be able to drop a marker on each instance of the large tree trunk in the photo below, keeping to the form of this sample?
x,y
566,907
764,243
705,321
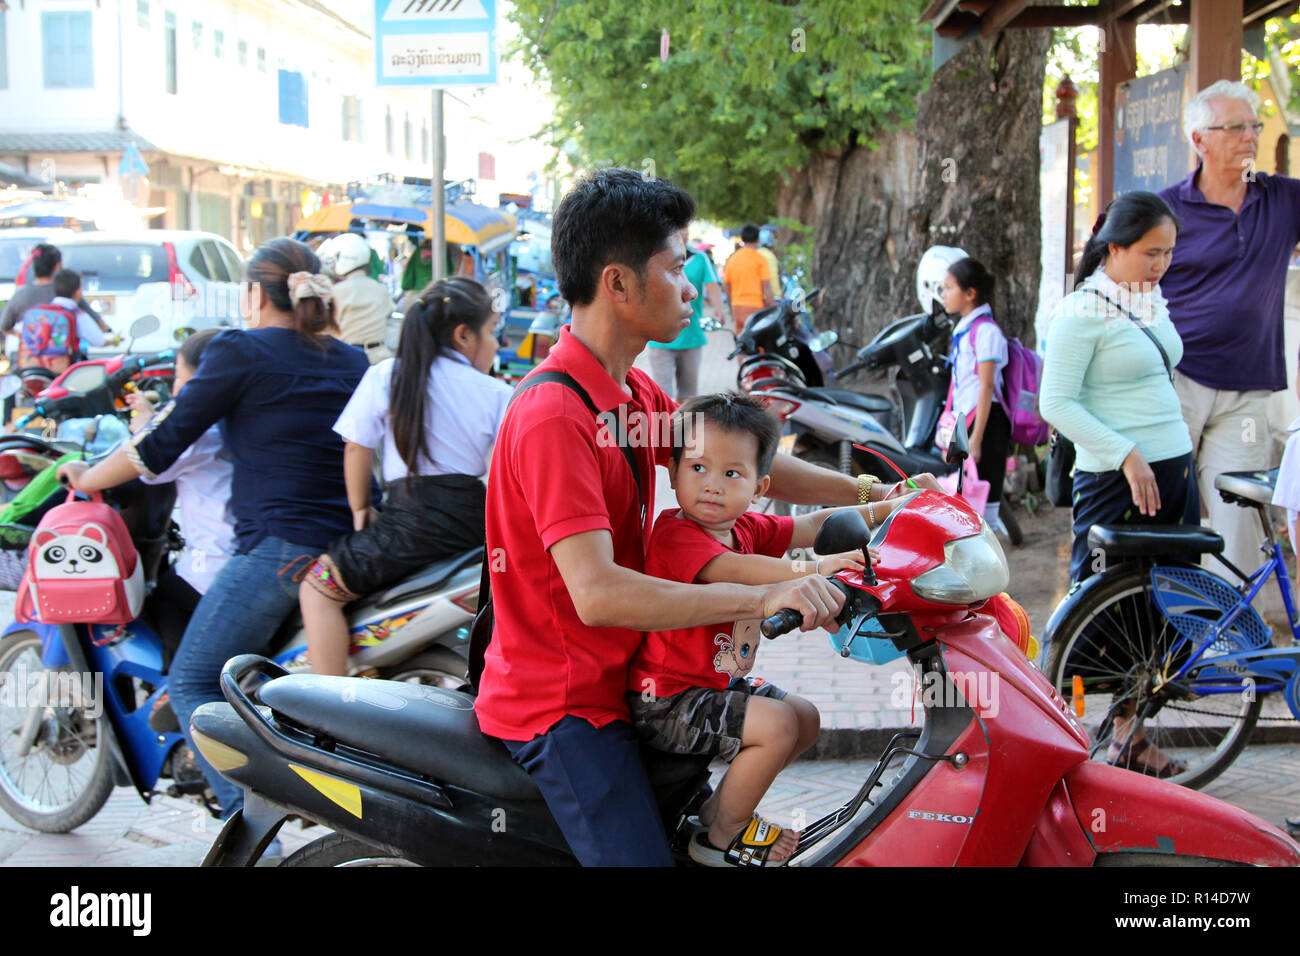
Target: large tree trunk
x,y
966,176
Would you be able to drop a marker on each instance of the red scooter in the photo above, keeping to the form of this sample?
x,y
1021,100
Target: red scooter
x,y
998,776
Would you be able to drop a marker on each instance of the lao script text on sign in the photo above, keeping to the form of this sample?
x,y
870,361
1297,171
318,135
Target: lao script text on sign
x,y
435,42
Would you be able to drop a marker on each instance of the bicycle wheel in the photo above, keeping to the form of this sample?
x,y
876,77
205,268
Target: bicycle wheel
x,y
1117,644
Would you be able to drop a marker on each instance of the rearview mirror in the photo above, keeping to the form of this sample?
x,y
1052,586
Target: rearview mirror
x,y
959,445
823,340
144,325
843,531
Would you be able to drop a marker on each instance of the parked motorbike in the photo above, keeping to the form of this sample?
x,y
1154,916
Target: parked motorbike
x,y
999,774
846,430
110,724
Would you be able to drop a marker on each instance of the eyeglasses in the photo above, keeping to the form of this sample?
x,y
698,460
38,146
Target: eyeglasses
x,y
1236,129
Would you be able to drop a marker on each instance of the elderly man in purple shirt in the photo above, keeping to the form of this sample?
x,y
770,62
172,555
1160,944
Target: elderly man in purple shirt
x,y
1225,290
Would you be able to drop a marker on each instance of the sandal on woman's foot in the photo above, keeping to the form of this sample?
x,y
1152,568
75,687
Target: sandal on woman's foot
x,y
1133,757
750,847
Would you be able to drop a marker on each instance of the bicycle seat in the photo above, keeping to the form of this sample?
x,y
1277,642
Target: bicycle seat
x,y
1246,488
1153,540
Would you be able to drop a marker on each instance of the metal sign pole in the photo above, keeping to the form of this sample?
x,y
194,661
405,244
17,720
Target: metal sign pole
x,y
438,193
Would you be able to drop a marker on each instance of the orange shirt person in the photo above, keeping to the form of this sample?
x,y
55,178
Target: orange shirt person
x,y
745,279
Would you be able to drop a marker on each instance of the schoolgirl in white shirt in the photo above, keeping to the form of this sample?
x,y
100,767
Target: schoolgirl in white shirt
x,y
437,412
979,356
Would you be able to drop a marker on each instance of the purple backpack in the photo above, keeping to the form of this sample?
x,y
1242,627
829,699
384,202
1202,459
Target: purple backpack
x,y
1021,379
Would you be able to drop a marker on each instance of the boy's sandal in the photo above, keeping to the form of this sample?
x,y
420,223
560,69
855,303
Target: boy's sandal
x,y
1131,757
750,847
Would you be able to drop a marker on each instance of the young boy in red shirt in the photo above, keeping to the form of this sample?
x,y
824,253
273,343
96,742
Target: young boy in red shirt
x,y
689,690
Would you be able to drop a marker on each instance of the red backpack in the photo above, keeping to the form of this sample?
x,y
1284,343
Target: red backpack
x,y
82,568
48,337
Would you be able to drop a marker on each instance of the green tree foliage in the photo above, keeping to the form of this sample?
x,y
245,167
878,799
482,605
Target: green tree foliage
x,y
750,89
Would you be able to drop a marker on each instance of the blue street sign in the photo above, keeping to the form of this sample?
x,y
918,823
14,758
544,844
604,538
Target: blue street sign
x,y
1150,149
132,163
435,42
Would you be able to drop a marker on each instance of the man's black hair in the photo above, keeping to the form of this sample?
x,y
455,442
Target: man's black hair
x,y
46,260
613,215
733,412
67,282
749,233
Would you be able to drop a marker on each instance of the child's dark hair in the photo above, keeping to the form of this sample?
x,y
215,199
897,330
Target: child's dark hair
x,y
749,233
191,350
1126,220
66,283
270,266
969,273
427,332
733,412
45,259
613,215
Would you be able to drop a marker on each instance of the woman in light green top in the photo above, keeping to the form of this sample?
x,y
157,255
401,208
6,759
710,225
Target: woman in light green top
x,y
1107,387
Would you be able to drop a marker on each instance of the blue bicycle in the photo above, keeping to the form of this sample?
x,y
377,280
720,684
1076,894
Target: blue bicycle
x,y
1167,662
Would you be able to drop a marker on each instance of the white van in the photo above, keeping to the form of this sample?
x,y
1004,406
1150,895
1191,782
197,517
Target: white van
x,y
189,280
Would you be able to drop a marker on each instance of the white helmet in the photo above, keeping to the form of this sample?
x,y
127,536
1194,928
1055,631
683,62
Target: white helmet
x,y
344,253
931,270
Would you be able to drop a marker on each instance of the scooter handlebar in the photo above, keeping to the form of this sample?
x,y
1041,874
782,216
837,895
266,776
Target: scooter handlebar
x,y
782,622
787,619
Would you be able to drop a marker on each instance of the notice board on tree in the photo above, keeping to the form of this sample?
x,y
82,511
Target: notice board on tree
x,y
1055,179
1150,149
435,42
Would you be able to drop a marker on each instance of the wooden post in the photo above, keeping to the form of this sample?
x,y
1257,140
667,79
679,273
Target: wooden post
x,y
1215,41
1118,64
1066,94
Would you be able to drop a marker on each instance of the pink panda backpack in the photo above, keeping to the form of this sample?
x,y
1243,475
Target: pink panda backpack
x,y
82,568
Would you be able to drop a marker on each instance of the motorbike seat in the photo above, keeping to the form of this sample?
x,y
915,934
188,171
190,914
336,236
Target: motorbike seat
x,y
1153,541
874,404
430,578
428,730
1246,488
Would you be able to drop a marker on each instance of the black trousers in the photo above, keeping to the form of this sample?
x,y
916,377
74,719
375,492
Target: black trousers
x,y
992,466
1104,497
171,605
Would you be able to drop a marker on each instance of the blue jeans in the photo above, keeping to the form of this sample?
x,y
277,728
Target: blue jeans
x,y
596,787
239,614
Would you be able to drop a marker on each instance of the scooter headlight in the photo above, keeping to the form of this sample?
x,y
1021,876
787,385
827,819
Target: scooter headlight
x,y
974,569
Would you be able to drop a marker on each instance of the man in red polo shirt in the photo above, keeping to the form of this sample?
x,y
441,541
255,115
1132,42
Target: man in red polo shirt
x,y
566,528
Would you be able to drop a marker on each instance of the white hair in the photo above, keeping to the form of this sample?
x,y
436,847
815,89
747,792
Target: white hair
x,y
1197,115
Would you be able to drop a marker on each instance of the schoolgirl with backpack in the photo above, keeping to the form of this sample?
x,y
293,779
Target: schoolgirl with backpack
x,y
979,358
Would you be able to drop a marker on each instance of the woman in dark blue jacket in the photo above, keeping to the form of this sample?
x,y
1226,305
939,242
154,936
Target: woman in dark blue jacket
x,y
277,388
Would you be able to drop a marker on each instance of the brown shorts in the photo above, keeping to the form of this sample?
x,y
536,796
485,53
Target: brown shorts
x,y
704,721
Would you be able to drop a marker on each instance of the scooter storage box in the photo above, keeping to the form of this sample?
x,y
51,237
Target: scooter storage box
x,y
82,568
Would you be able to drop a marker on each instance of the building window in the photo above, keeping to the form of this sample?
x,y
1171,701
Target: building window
x,y
352,119
261,58
388,130
197,30
67,50
142,13
243,53
218,43
169,49
293,98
